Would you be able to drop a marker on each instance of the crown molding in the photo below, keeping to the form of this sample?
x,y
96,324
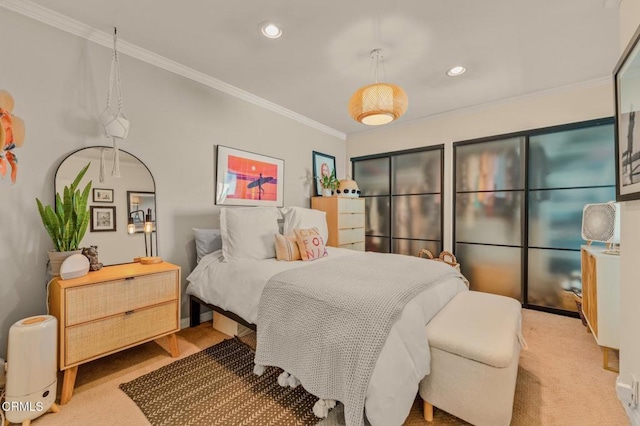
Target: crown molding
x,y
65,23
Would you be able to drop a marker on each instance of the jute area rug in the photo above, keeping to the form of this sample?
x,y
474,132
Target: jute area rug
x,y
217,387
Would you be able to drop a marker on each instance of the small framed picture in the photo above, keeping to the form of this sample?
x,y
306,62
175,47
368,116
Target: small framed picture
x,y
101,195
323,165
138,204
103,219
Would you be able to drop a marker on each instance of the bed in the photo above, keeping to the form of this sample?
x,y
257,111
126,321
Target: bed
x,y
234,286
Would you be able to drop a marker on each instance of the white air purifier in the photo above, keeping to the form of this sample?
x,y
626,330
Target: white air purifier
x,y
601,223
31,369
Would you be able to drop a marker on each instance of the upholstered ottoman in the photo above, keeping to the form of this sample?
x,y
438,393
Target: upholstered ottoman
x,y
475,346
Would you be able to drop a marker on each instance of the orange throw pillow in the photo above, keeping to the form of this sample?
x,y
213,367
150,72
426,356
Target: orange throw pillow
x,y
310,243
287,248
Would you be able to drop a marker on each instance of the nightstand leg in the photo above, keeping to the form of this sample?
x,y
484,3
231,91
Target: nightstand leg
x,y
54,408
68,383
173,345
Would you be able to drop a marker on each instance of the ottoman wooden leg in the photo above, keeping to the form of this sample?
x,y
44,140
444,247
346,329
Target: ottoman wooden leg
x,y
428,411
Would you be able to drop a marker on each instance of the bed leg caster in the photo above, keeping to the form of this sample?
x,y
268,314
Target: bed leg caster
x,y
428,411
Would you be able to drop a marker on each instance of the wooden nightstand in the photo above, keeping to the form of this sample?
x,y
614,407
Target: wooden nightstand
x,y
112,309
601,299
345,220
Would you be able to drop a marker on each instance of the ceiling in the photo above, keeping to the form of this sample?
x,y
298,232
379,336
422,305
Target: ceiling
x,y
510,47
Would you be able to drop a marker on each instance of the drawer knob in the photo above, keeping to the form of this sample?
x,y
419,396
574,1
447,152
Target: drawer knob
x,y
130,278
128,312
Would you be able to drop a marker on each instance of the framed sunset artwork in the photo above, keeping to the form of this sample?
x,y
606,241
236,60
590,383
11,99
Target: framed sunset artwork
x,y
248,179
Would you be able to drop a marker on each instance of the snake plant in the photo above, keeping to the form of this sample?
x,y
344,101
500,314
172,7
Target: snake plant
x,y
68,223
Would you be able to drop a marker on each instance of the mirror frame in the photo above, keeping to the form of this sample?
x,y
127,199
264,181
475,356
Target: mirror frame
x,y
155,202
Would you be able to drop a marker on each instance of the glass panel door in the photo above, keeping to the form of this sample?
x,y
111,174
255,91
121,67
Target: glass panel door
x,y
372,176
489,214
567,169
403,193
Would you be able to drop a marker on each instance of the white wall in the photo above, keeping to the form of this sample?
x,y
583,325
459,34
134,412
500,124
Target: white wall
x,y
579,103
630,248
59,83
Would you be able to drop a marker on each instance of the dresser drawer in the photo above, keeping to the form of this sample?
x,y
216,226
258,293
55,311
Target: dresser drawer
x,y
347,236
350,205
95,301
97,338
354,246
350,220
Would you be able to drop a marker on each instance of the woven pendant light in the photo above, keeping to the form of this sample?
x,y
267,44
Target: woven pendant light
x,y
378,103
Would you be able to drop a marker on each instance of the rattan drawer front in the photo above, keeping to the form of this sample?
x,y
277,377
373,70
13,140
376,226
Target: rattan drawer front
x,y
346,236
354,246
97,338
350,205
95,301
350,220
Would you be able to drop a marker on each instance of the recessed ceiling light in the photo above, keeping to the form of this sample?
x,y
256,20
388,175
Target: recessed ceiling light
x,y
270,30
456,71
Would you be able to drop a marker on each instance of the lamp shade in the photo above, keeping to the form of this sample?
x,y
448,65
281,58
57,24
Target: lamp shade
x,y
378,103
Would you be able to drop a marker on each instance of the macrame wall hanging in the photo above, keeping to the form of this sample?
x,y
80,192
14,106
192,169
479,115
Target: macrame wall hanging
x,y
11,135
116,125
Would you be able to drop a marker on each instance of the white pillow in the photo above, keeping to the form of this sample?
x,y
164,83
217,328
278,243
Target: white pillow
x,y
247,233
207,241
299,217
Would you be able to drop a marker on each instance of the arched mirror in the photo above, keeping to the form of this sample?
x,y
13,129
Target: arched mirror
x,y
113,200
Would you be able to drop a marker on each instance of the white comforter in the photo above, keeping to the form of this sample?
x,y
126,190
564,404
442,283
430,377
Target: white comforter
x,y
404,360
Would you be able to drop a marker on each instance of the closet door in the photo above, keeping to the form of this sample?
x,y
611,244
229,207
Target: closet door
x,y
417,202
374,180
403,200
489,206
566,171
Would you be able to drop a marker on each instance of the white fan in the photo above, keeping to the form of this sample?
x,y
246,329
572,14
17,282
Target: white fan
x,y
601,222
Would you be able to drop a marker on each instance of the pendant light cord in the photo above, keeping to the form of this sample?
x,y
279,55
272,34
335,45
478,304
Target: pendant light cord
x,y
376,58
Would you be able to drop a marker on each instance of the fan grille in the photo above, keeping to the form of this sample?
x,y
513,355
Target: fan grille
x,y
598,223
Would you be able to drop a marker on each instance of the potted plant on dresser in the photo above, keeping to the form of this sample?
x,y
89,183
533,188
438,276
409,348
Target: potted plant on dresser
x,y
67,223
329,183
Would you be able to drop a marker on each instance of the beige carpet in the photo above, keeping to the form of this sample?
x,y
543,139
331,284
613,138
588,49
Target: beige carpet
x,y
560,380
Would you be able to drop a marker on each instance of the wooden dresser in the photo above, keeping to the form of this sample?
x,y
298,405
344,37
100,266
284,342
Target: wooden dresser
x,y
113,309
345,220
601,297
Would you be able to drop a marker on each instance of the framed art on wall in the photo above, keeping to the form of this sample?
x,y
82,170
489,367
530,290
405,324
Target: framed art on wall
x,y
626,77
101,195
323,165
138,205
103,219
248,179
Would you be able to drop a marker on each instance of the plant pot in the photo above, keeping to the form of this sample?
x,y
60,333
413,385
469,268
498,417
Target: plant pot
x,y
57,257
326,192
